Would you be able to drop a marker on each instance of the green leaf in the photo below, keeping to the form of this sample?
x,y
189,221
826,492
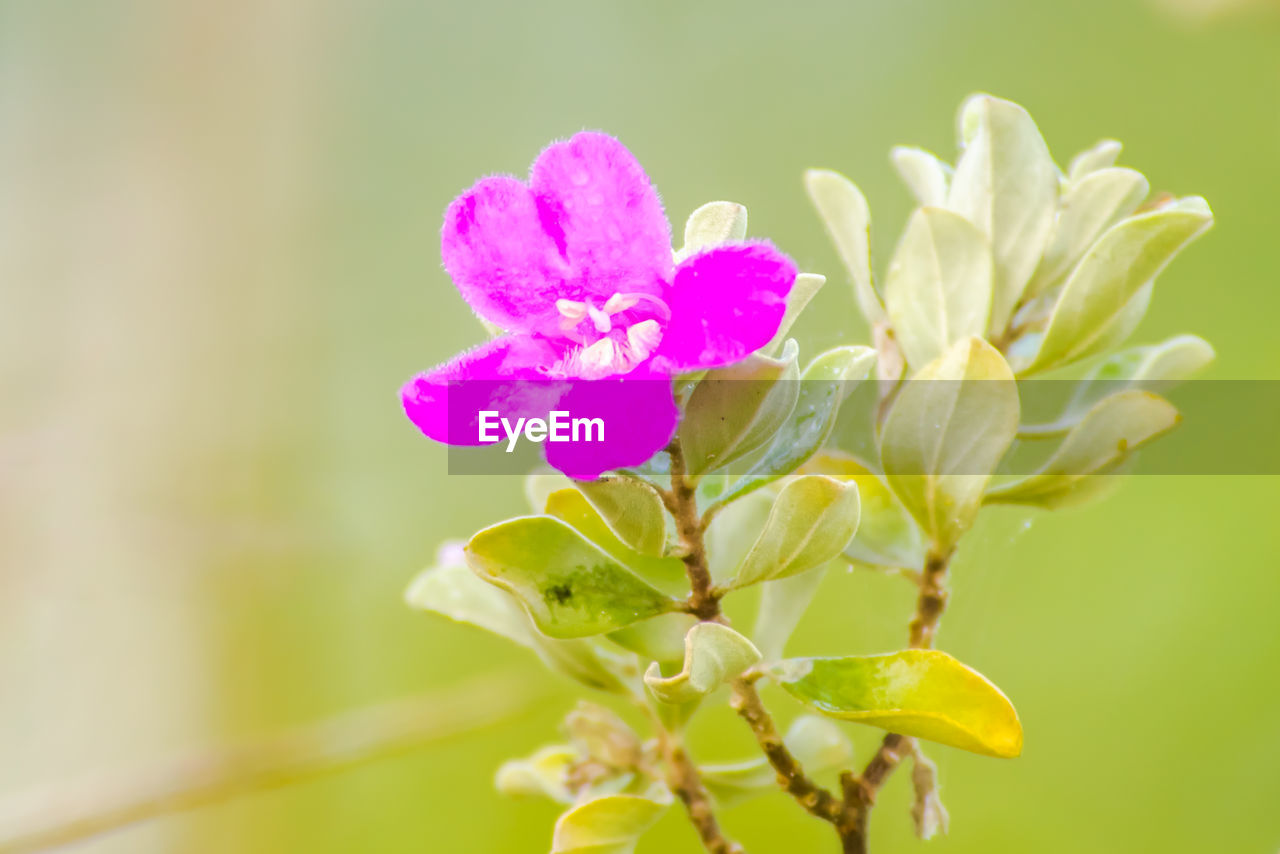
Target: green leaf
x,y
922,693
659,639
1108,435
1155,367
1005,183
570,587
665,573
736,409
887,535
805,287
1096,304
732,533
945,435
782,604
713,654
452,590
813,519
924,174
1091,206
544,774
608,825
1100,156
938,288
539,484
632,509
713,224
817,744
845,214
824,384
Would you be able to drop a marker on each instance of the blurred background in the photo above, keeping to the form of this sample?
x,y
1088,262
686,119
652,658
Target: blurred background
x,y
219,260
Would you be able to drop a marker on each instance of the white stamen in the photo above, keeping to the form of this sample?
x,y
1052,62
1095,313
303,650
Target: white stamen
x,y
572,309
642,338
601,320
619,303
600,357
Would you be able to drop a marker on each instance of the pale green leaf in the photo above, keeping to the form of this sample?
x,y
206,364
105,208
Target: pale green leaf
x,y
732,532
1005,183
845,214
824,385
632,509
1155,367
1091,206
713,224
921,693
946,433
782,604
1108,435
544,774
887,535
805,287
608,825
813,518
452,590
736,409
665,573
819,745
938,288
570,587
658,639
925,175
1096,304
1100,156
713,654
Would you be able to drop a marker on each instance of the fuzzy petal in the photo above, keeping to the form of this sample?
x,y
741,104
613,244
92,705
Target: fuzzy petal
x,y
501,257
726,303
639,414
505,375
606,217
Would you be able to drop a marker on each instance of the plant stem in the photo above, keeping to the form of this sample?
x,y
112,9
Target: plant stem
x,y
684,778
815,799
682,502
860,791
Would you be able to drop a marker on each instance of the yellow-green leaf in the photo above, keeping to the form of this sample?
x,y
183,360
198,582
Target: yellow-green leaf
x,y
804,289
938,288
813,518
1099,156
1097,301
887,535
608,825
544,774
918,692
570,587
945,435
924,174
713,224
632,509
843,210
1107,436
713,654
1006,184
782,604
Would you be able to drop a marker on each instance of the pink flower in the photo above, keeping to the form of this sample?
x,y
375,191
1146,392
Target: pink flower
x,y
576,266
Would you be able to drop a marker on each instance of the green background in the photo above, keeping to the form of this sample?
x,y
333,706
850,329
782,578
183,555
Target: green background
x,y
219,260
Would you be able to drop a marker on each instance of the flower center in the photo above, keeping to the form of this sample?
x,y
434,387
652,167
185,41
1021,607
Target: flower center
x,y
612,338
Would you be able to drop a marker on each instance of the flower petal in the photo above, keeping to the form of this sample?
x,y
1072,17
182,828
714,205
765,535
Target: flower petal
x,y
726,303
606,217
639,416
503,375
501,257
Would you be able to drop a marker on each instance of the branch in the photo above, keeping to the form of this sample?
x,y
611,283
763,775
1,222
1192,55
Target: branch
x,y
683,504
815,799
684,780
860,791
61,814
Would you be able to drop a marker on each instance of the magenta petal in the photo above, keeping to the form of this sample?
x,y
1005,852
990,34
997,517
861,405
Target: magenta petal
x,y
503,375
502,259
726,303
639,416
606,216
